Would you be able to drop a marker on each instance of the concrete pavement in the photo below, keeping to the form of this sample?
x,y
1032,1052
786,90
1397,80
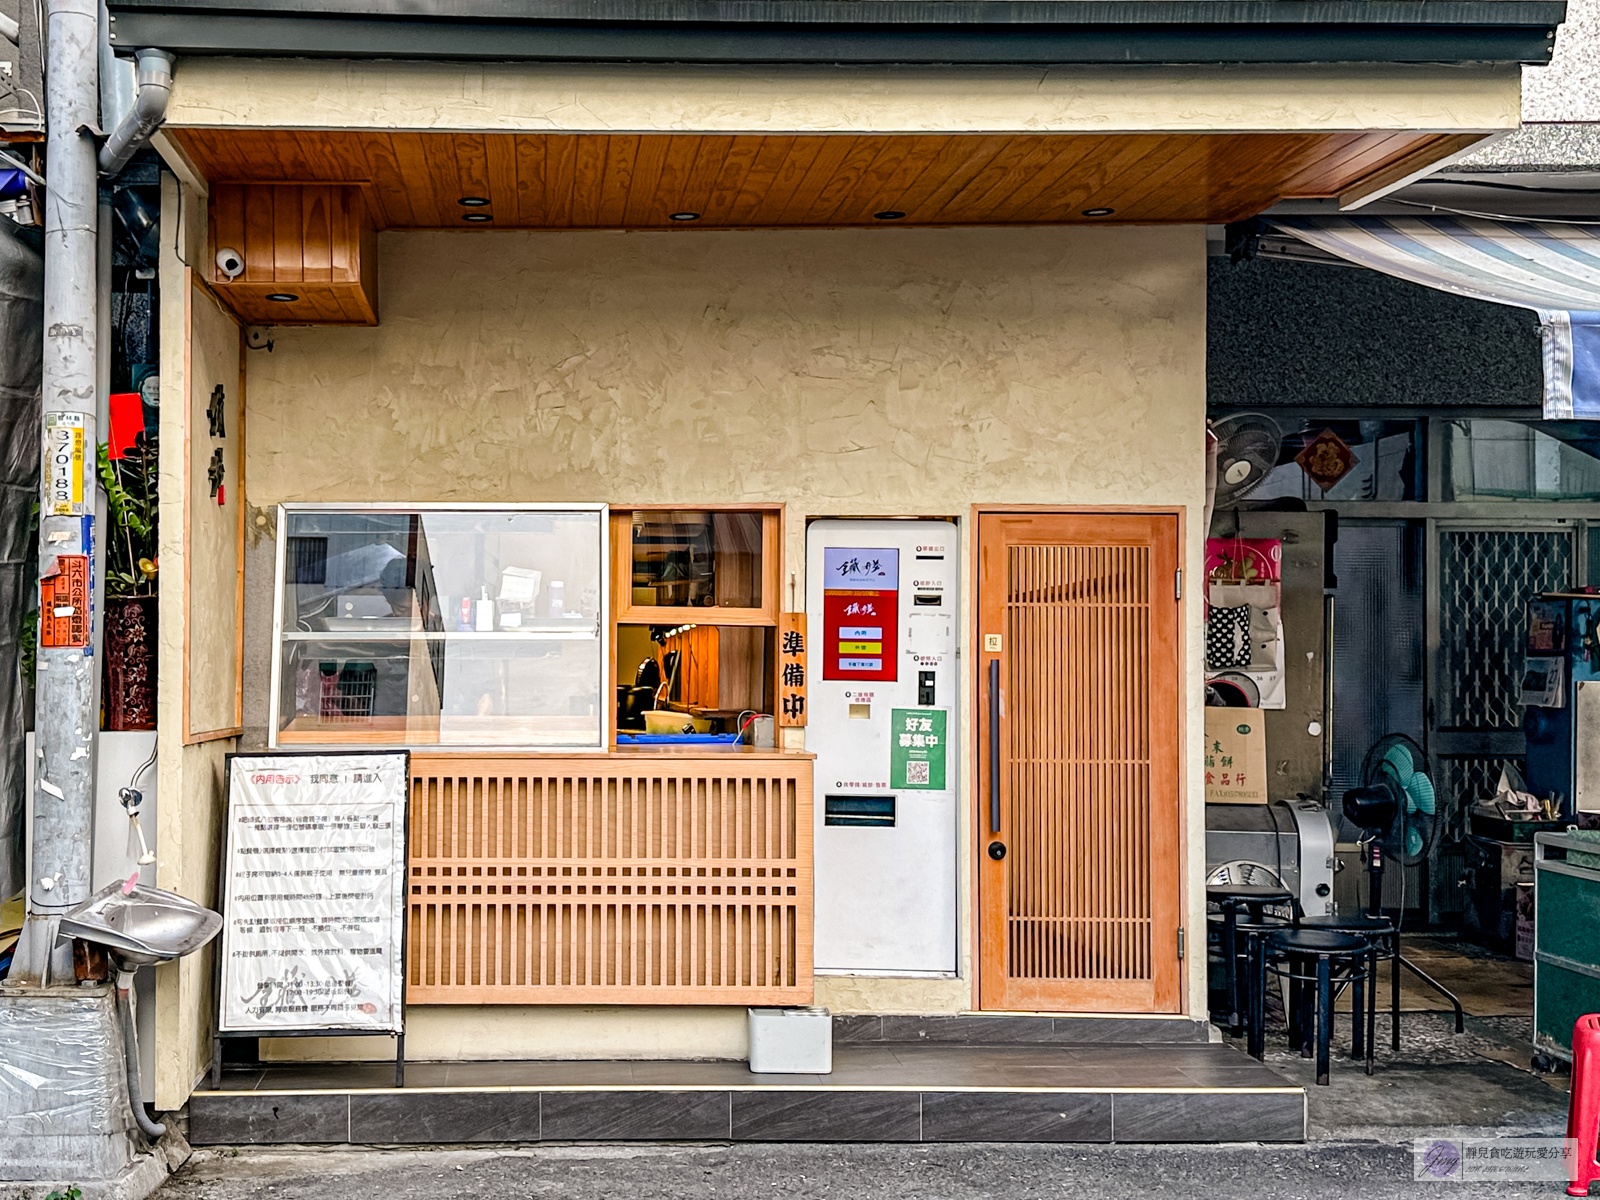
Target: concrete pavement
x,y
986,1171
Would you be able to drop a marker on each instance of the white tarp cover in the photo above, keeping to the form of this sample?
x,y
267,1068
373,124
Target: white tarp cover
x,y
1553,269
315,893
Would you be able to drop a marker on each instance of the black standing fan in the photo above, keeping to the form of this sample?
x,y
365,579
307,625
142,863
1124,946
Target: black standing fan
x,y
1396,808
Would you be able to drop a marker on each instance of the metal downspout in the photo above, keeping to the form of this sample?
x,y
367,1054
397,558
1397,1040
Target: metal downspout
x,y
149,110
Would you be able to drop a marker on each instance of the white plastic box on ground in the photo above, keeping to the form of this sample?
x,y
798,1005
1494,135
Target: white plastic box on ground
x,y
791,1041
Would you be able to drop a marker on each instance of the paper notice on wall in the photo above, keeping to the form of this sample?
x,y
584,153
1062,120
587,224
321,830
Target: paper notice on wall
x,y
1543,683
66,434
918,745
64,604
314,893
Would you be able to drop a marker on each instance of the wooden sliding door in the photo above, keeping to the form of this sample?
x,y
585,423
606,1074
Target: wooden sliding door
x,y
1080,692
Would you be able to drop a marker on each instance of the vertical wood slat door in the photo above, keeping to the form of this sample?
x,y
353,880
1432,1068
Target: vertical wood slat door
x,y
1081,914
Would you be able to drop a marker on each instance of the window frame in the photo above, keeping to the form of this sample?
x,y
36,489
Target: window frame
x,y
606,668
629,613
625,612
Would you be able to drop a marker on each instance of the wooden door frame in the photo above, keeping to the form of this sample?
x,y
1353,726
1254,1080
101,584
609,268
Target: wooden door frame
x,y
971,690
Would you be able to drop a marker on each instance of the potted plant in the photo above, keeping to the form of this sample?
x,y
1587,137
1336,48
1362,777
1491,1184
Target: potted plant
x,y
129,681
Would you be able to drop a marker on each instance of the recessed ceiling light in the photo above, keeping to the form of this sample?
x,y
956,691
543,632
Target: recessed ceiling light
x,y
1098,212
477,216
684,216
473,201
888,214
282,297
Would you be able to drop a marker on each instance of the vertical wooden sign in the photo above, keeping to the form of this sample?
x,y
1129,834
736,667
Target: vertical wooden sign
x,y
791,668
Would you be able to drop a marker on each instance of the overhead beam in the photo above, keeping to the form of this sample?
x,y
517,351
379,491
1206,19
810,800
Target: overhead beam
x,y
882,31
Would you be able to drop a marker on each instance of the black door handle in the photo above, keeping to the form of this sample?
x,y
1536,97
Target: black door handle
x,y
997,850
994,749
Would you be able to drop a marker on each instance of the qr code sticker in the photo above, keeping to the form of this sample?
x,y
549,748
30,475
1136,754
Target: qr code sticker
x,y
916,772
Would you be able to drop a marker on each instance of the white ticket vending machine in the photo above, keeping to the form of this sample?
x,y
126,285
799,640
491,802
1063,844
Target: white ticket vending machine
x,y
881,613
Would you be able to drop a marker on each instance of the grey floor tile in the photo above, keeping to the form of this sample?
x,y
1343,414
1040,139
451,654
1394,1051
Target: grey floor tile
x,y
852,1028
695,1074
267,1120
635,1116
1093,1077
1214,1075
827,1116
402,1118
1078,1030
236,1080
879,1054
540,1074
968,1030
1162,1056
344,1077
1003,1117
1208,1117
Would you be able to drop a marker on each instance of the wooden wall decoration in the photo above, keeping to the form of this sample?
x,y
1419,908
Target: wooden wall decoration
x,y
315,243
213,520
616,880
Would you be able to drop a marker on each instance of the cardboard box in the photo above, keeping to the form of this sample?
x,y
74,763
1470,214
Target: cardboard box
x,y
1236,756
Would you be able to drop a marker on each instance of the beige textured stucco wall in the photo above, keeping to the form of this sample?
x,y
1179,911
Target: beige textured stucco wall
x,y
556,97
189,776
851,372
214,545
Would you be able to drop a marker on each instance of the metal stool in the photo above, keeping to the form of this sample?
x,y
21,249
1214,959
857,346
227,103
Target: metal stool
x,y
1384,945
1254,899
1319,959
1255,942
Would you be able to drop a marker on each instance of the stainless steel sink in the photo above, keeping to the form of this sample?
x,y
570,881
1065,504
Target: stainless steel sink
x,y
146,925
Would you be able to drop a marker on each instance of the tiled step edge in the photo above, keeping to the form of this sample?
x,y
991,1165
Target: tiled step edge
x,y
757,1115
1002,1030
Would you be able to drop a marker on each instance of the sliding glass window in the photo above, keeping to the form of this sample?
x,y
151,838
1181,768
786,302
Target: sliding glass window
x,y
424,625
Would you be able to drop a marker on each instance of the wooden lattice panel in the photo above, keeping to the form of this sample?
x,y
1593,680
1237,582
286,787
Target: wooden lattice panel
x,y
616,880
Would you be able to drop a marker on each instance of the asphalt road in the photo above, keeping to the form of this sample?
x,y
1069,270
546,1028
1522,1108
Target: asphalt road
x,y
1370,1170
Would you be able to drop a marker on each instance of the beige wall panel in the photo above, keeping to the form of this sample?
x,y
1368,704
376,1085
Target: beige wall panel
x,y
214,552
849,371
190,776
513,1032
323,94
852,372
877,994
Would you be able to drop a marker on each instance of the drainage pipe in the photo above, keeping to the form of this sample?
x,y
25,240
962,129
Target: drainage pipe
x,y
149,110
130,1054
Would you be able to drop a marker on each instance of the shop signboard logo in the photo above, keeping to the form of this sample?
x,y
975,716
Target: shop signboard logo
x,y
860,613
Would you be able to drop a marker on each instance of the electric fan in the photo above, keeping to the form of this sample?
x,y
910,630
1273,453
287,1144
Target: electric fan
x,y
1396,800
1247,450
1398,808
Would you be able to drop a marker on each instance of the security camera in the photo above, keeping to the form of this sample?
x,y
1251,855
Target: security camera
x,y
230,262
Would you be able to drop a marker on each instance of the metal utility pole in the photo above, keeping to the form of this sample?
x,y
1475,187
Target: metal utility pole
x,y
65,721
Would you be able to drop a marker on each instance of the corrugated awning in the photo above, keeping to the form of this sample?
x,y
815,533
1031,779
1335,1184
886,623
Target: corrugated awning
x,y
1553,269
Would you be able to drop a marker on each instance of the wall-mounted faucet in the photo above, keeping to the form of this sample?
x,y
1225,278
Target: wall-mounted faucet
x,y
131,799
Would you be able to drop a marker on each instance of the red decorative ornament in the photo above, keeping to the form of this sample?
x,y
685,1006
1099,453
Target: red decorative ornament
x,y
1326,458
